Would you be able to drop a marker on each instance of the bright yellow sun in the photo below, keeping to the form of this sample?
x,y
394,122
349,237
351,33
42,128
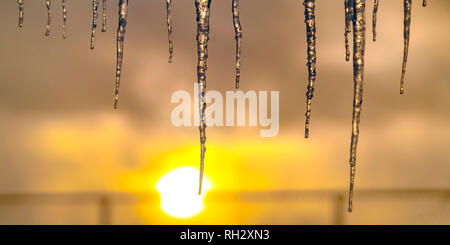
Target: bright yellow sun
x,y
179,192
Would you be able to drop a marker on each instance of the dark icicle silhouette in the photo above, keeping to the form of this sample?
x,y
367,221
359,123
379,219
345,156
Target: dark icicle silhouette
x,y
374,20
310,21
359,42
169,28
20,3
407,4
94,21
348,4
424,3
123,12
238,37
48,4
104,16
64,18
203,13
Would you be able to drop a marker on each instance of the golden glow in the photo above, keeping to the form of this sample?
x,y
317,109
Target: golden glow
x,y
179,192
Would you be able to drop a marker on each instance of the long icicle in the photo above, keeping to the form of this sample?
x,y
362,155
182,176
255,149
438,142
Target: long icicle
x,y
123,12
359,42
104,16
407,5
169,28
64,33
48,4
238,37
203,13
20,3
94,21
348,26
374,20
310,21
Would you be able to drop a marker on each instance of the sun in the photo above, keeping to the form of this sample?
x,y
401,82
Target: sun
x,y
179,192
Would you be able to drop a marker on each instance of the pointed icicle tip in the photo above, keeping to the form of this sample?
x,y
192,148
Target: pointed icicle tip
x,y
64,14
359,42
202,13
169,29
20,3
121,29
407,5
310,21
48,4
94,22
374,20
348,28
104,16
238,38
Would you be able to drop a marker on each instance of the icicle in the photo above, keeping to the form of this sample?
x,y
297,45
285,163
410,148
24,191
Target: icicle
x,y
374,20
310,21
49,17
123,11
94,21
203,12
238,37
359,42
348,28
407,4
20,3
169,28
104,16
64,18
424,3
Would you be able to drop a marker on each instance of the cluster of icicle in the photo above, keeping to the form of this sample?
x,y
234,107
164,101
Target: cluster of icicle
x,y
48,4
202,11
354,20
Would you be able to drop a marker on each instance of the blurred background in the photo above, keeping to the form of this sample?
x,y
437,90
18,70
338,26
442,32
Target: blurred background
x,y
66,157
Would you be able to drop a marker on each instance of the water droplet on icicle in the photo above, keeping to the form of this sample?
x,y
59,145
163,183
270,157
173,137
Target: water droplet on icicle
x,y
123,12
169,28
48,4
374,20
203,13
64,18
310,21
238,37
104,16
20,3
94,21
407,5
348,4
359,42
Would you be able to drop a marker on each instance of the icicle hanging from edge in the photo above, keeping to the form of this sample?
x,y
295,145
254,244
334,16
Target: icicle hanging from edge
x,y
20,3
64,14
238,37
359,42
48,4
121,29
407,5
348,4
169,28
94,22
203,13
374,20
310,21
104,16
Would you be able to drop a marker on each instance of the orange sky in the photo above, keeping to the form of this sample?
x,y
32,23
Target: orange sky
x,y
59,131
